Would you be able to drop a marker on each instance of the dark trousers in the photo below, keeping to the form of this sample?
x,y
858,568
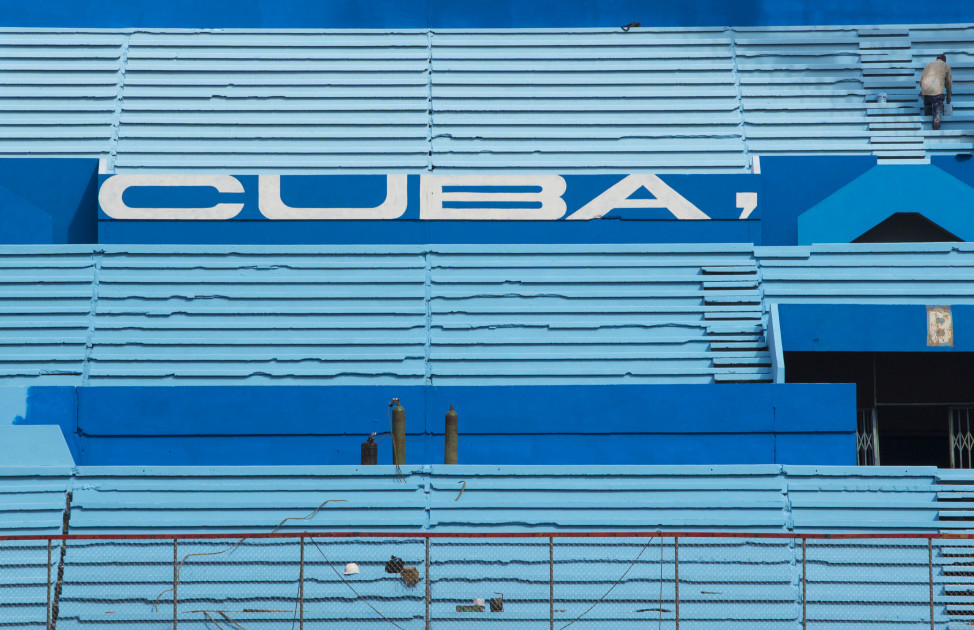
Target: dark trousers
x,y
934,105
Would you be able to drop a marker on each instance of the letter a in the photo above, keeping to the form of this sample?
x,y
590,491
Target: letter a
x,y
618,197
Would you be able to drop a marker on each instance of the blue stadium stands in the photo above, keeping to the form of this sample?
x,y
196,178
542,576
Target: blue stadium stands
x,y
580,100
460,315
755,581
693,100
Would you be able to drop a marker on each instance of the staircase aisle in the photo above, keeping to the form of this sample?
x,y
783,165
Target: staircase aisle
x,y
893,108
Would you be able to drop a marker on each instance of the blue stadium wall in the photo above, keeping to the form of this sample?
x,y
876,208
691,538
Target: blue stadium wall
x,y
527,425
111,297
459,14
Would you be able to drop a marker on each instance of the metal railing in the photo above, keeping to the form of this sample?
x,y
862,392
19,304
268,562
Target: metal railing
x,y
410,581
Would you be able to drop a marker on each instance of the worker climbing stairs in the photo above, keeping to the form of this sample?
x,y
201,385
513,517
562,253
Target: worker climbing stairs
x,y
892,59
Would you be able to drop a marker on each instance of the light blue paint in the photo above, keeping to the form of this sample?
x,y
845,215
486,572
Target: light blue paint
x,y
34,497
33,446
878,274
498,315
883,191
561,100
775,346
13,403
498,499
504,498
763,579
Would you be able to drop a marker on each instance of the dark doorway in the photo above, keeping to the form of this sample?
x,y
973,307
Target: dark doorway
x,y
909,394
907,227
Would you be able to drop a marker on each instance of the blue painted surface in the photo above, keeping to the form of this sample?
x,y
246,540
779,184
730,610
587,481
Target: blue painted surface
x,y
731,424
794,184
883,191
23,222
421,232
456,14
800,200
48,200
869,328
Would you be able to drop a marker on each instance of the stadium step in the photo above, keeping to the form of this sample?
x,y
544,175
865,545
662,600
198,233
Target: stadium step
x,y
895,126
893,108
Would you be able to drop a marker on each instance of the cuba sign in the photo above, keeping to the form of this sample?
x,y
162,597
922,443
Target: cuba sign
x,y
507,197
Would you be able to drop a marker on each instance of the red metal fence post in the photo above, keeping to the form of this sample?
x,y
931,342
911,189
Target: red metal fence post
x,y
54,583
804,590
48,626
930,568
175,579
551,581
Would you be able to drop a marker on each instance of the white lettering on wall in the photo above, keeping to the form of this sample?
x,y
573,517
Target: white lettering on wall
x,y
271,206
618,197
747,202
111,191
432,197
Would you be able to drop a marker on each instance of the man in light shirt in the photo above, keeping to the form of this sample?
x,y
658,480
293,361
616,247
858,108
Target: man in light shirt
x,y
933,82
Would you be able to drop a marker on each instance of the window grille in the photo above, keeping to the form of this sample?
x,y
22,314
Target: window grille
x,y
867,438
961,437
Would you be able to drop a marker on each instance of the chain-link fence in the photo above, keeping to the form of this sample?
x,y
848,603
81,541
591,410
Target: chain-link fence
x,y
586,581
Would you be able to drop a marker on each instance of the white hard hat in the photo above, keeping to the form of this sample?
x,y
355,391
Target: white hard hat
x,y
351,568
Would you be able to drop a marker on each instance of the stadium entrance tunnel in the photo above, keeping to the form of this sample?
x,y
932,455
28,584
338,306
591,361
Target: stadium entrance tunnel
x,y
914,394
912,402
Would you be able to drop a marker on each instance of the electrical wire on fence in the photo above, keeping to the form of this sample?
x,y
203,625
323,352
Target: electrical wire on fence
x,y
621,578
342,578
297,595
179,567
223,614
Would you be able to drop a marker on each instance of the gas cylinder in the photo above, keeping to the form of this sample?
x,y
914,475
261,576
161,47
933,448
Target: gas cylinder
x,y
398,433
450,454
370,452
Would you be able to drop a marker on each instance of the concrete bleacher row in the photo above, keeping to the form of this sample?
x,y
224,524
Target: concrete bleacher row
x,y
722,581
659,100
763,498
446,314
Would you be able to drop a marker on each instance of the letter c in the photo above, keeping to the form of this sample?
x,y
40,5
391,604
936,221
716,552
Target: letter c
x,y
111,191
